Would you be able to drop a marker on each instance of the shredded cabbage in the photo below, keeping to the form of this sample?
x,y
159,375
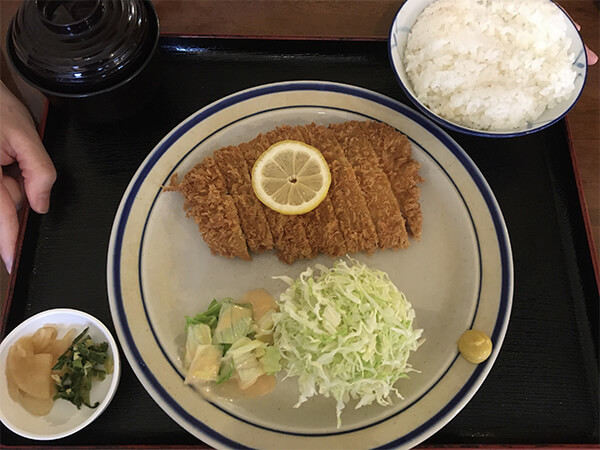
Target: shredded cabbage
x,y
345,332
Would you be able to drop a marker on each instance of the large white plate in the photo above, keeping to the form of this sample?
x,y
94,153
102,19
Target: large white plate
x,y
459,276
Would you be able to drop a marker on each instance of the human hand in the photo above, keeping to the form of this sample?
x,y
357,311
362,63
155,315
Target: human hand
x,y
592,58
25,169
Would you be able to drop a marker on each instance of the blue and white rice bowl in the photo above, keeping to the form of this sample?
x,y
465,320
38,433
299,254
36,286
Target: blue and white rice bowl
x,y
402,25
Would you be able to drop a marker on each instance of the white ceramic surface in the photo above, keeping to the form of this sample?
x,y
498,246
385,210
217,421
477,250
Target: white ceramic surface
x,y
458,277
407,16
64,419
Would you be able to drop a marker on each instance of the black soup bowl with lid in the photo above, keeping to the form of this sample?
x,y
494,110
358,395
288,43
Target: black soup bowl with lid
x,y
97,59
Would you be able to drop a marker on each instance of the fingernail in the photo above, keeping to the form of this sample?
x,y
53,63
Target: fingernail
x,y
43,203
8,262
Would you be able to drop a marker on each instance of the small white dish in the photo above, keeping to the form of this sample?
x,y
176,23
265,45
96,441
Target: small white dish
x,y
64,419
407,16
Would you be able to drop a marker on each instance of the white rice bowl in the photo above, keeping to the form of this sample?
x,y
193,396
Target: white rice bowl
x,y
490,65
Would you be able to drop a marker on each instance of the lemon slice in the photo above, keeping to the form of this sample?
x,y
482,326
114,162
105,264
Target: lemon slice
x,y
291,177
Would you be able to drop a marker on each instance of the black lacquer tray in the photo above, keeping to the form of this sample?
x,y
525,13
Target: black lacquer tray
x,y
543,388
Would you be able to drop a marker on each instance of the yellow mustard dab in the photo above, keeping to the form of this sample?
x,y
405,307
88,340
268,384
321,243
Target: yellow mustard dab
x,y
475,346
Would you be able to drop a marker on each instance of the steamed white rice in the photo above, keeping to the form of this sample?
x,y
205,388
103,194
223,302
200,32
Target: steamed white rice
x,y
490,64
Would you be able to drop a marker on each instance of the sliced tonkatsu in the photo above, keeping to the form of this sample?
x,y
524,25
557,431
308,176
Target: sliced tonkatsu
x,y
232,165
289,235
348,200
394,151
321,225
373,199
381,202
207,202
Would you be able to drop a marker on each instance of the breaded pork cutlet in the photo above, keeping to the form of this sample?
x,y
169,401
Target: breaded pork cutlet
x,y
207,202
289,235
395,153
254,224
381,202
346,196
372,202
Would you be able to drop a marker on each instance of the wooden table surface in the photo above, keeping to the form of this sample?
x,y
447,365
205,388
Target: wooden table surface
x,y
354,18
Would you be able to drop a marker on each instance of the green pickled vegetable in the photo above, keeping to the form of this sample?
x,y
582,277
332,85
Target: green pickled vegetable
x,y
82,363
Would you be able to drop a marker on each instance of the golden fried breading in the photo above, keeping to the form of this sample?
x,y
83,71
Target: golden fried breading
x,y
207,202
394,151
348,200
381,202
291,240
254,224
322,226
204,174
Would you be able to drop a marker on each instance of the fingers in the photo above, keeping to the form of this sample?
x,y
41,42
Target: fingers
x,y
37,170
9,227
15,190
592,58
21,143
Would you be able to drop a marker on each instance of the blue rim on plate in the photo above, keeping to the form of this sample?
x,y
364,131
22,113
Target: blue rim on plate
x,y
118,298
